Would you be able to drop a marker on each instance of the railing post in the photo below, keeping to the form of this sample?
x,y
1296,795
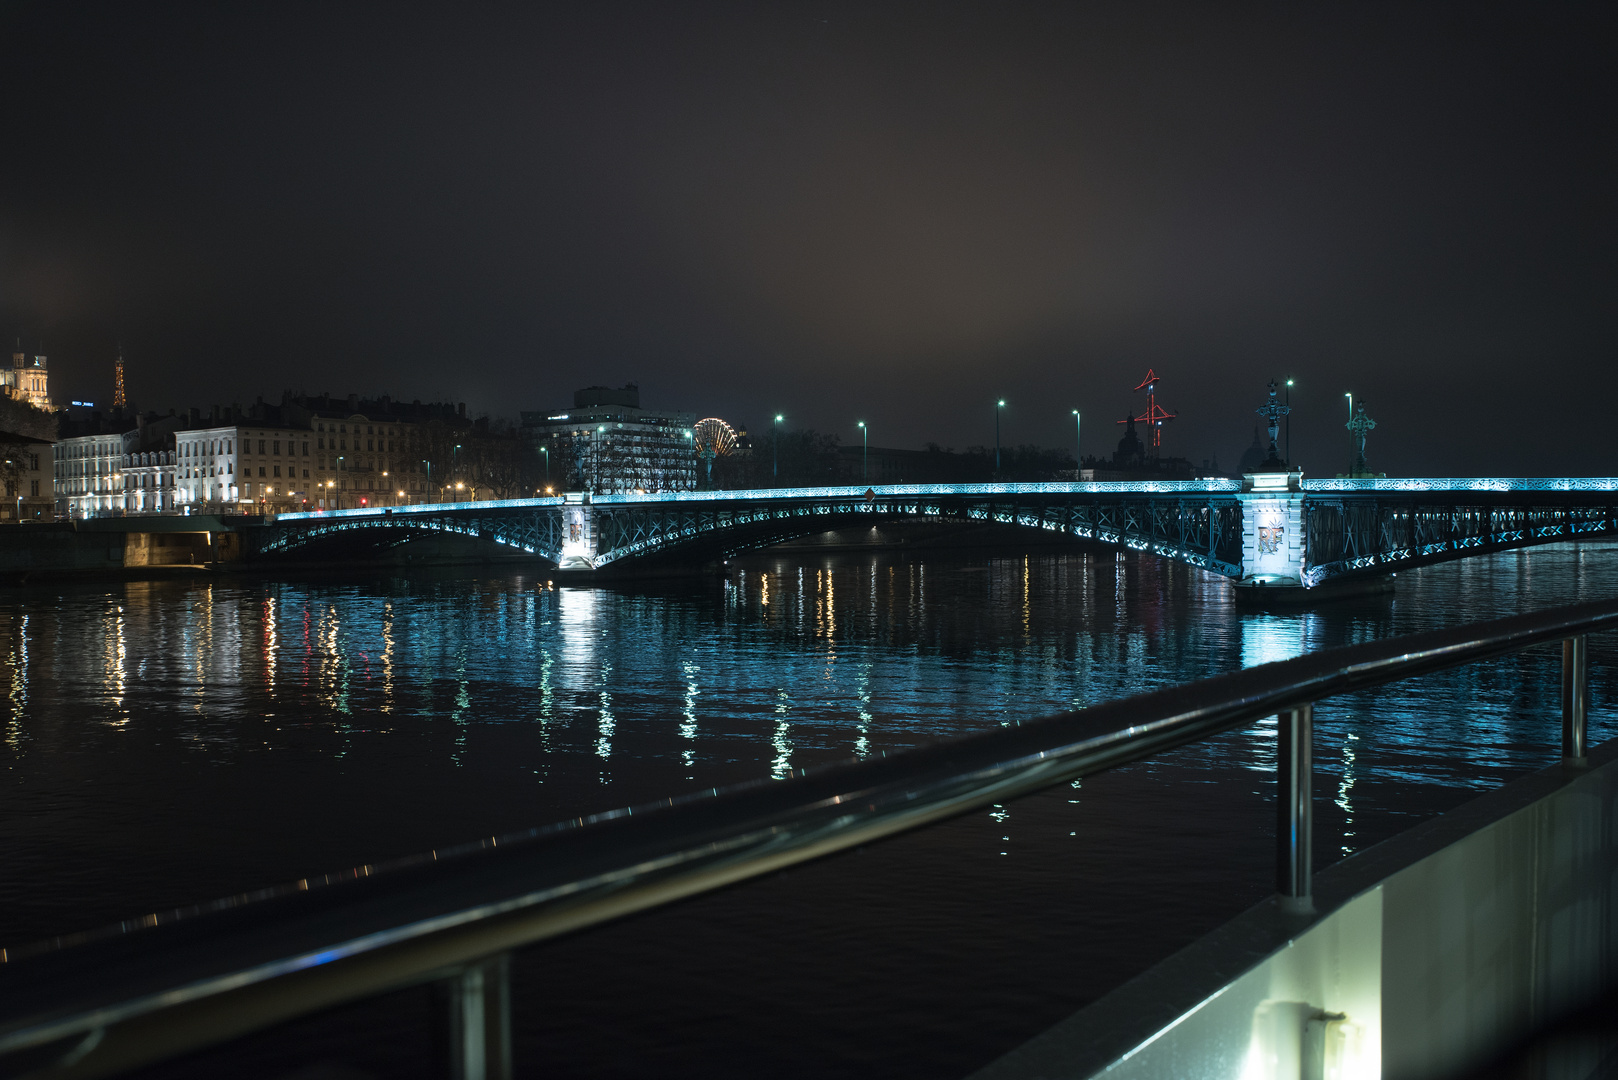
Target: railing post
x,y
475,1020
1294,832
1575,698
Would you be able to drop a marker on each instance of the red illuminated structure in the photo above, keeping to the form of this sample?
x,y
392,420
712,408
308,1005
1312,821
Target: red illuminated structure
x,y
1153,417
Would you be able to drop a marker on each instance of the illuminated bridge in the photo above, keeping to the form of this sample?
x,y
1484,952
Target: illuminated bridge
x,y
1269,530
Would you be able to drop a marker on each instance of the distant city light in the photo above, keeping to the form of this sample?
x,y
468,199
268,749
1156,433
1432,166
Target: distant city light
x,y
86,404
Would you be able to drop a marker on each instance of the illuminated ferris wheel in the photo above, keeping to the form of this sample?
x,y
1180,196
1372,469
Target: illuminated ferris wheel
x,y
714,438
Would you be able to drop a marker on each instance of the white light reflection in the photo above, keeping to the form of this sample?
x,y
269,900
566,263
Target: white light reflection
x,y
862,745
606,723
781,767
1345,789
688,714
1001,815
18,691
387,657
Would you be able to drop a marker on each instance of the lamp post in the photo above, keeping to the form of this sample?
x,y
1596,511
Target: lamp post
x,y
429,465
1289,423
865,453
1350,397
1078,460
775,448
1001,404
547,452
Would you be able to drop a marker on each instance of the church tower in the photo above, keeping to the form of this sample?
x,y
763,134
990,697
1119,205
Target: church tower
x,y
29,379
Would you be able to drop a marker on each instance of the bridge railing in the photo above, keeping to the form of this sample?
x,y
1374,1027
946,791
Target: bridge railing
x,y
159,986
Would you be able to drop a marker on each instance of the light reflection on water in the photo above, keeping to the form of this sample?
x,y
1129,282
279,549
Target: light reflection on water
x,y
169,741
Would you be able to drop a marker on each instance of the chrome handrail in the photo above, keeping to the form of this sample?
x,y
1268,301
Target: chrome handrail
x,y
169,983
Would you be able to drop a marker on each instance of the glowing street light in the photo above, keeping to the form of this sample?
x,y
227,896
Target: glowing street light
x,y
1077,441
1289,423
865,453
1001,404
775,447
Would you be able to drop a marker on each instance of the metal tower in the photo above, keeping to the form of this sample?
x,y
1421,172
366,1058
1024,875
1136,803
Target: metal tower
x,y
119,399
1153,417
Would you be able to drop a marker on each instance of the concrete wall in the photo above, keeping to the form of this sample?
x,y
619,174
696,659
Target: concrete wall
x,y
1429,953
66,547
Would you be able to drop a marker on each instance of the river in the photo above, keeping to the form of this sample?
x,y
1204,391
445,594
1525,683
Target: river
x,y
172,741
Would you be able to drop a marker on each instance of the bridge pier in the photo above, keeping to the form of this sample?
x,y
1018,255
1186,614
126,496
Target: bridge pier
x,y
1275,550
1272,536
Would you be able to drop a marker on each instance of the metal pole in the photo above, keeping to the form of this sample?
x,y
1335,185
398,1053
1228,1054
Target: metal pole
x,y
865,453
1294,833
1289,423
476,1020
1575,698
998,406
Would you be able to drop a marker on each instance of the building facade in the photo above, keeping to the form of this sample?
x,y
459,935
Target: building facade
x,y
25,466
28,379
149,482
608,444
87,475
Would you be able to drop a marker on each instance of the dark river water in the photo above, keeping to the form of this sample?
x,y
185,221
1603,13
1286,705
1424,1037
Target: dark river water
x,y
168,742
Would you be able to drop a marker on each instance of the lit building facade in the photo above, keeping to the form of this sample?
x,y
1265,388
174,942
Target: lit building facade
x,y
608,444
364,462
149,482
87,476
27,379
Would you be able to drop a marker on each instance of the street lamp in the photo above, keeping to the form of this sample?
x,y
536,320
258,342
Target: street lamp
x,y
1351,447
997,407
865,453
775,447
1289,423
1079,460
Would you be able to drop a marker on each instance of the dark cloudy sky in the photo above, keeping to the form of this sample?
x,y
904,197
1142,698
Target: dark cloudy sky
x,y
890,212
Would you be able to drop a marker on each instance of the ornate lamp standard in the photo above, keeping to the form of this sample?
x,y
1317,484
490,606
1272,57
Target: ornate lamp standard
x,y
865,453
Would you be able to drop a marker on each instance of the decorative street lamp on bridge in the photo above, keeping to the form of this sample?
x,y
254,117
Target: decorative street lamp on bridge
x,y
775,447
998,406
865,454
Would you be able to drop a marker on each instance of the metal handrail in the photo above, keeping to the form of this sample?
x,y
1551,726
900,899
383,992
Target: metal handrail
x,y
166,984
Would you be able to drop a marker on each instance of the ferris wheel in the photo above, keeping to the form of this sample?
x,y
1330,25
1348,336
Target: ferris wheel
x,y
714,438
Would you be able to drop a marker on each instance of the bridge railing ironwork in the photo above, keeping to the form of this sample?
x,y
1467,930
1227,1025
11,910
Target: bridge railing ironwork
x,y
159,986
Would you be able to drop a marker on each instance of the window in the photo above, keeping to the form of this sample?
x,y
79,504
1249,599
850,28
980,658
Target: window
x,y
306,474
261,446
370,444
278,472
320,444
277,447
342,444
370,431
261,470
306,448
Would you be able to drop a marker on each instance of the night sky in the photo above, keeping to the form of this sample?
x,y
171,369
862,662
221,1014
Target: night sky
x,y
895,213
